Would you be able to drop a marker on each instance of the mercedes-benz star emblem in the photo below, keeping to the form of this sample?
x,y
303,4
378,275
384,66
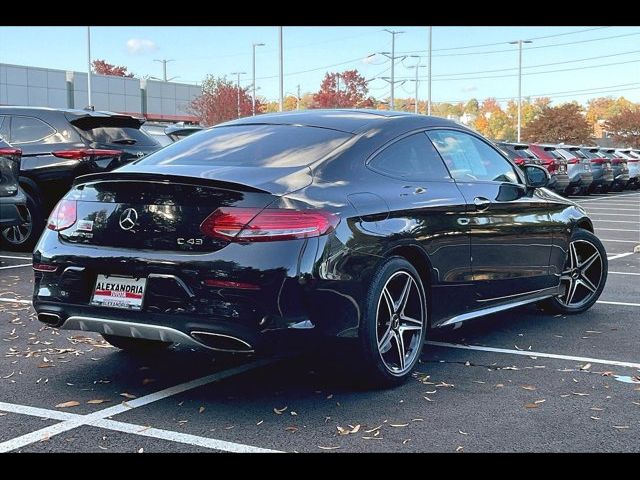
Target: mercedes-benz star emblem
x,y
128,219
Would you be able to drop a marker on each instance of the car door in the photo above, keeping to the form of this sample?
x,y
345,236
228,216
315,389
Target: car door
x,y
426,207
509,224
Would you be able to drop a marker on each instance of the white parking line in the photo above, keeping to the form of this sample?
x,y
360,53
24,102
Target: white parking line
x,y
614,209
626,215
169,435
15,258
618,230
613,221
602,198
14,300
180,437
70,424
16,266
626,304
527,353
619,241
620,255
626,204
623,273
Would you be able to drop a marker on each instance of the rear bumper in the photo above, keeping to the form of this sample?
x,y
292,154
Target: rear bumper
x,y
289,303
559,182
583,179
12,210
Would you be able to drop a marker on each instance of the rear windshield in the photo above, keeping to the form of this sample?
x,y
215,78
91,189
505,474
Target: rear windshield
x,y
251,146
117,136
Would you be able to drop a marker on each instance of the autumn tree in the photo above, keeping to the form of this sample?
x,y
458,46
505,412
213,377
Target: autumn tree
x,y
604,108
352,92
562,124
219,101
625,127
101,67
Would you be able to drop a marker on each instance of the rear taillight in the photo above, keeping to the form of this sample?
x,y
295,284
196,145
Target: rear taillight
x,y
63,216
44,267
573,161
211,282
598,161
82,153
257,225
550,164
519,161
10,152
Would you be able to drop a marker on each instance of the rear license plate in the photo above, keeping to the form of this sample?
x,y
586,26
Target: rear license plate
x,y
119,292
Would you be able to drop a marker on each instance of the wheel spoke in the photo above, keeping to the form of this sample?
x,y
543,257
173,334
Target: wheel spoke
x,y
388,300
573,255
413,321
404,296
400,346
409,328
585,282
385,342
573,285
584,266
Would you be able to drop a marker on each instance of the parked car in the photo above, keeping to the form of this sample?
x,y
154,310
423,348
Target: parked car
x,y
600,169
633,164
578,169
167,134
555,164
619,167
270,232
13,209
58,145
519,153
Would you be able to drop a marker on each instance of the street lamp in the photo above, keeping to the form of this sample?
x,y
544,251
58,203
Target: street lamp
x,y
238,88
519,43
253,97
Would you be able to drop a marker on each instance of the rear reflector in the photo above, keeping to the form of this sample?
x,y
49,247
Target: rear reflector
x,y
63,215
44,267
257,225
81,153
519,161
229,284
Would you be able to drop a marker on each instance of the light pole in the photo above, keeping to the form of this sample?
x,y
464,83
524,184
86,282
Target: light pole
x,y
164,68
417,66
90,104
298,99
337,90
238,88
281,73
519,43
393,61
253,97
429,72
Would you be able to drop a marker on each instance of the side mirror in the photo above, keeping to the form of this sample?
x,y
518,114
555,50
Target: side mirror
x,y
536,176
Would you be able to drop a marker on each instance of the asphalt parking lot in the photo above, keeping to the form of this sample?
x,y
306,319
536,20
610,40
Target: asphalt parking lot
x,y
517,381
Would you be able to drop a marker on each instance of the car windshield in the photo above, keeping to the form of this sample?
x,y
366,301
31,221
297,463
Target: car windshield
x,y
251,146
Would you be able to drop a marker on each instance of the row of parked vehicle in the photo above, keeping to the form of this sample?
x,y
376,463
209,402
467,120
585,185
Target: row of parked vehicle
x,y
43,150
580,170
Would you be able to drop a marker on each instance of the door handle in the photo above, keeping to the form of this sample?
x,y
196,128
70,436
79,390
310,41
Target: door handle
x,y
481,203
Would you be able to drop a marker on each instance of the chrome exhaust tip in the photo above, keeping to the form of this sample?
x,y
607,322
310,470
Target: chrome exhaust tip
x,y
50,318
221,342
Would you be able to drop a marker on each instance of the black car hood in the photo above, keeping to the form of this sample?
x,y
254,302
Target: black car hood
x,y
275,180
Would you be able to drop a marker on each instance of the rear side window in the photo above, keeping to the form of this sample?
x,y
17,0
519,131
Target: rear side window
x,y
110,135
251,146
29,129
413,157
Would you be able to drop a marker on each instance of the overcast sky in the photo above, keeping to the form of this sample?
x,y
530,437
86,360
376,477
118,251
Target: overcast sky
x,y
564,63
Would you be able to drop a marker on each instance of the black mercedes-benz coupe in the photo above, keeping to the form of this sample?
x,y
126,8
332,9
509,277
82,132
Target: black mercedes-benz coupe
x,y
274,230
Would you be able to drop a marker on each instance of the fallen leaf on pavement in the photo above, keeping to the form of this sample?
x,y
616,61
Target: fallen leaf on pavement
x,y
97,401
201,409
621,427
595,418
529,387
292,429
537,402
141,450
586,366
279,411
531,405
580,394
427,399
128,395
373,429
69,404
260,422
147,381
462,433
404,442
596,409
459,449
398,425
328,448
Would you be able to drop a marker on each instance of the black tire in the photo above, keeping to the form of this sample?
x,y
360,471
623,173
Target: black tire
x,y
136,345
583,191
585,243
373,370
25,240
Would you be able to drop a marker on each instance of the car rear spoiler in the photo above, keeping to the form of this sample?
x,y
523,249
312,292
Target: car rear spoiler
x,y
89,121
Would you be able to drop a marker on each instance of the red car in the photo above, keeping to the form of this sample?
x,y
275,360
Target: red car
x,y
555,164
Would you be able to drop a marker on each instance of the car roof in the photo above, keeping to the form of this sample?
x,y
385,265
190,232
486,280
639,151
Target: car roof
x,y
346,120
16,110
514,144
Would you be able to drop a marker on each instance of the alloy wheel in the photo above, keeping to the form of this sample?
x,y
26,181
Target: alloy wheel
x,y
18,234
582,274
400,322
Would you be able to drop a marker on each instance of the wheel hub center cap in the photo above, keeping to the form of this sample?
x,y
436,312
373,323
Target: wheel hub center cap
x,y
576,274
395,321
